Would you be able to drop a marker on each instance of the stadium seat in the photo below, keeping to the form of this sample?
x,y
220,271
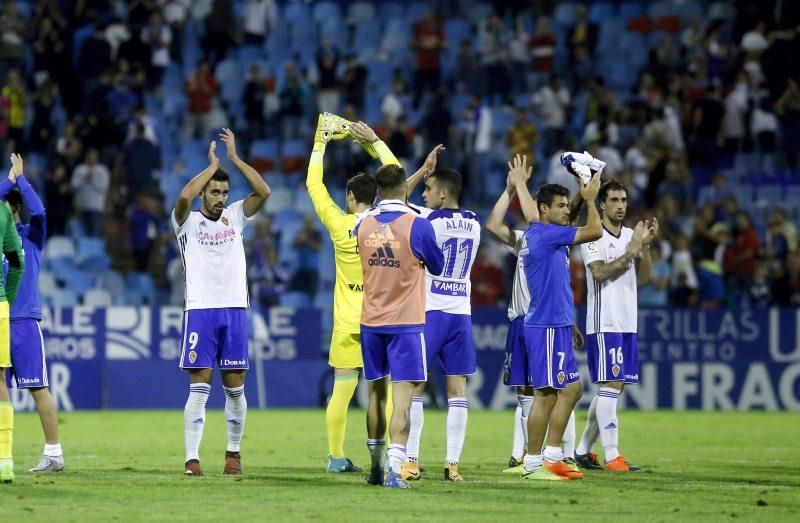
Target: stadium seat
x,y
78,281
396,34
565,14
64,298
360,12
295,11
297,300
656,10
88,247
140,287
279,200
630,10
477,12
390,10
97,298
599,12
415,11
58,247
302,202
47,283
110,281
325,10
457,30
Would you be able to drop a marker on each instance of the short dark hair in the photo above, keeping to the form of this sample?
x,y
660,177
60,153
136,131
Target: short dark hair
x,y
14,199
390,177
608,186
219,176
548,192
363,187
450,179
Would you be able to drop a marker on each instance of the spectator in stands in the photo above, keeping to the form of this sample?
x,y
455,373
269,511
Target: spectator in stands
x,y
478,134
654,294
400,140
703,243
42,128
764,128
12,37
139,12
542,44
201,88
428,41
95,56
781,237
90,182
50,50
733,123
135,51
144,224
157,34
704,128
268,278
465,67
15,99
58,199
395,104
715,52
308,243
745,248
759,292
175,13
487,280
328,91
551,103
522,137
582,34
557,173
493,47
220,31
260,18
140,116
291,97
141,160
436,122
677,185
121,101
354,83
255,91
69,146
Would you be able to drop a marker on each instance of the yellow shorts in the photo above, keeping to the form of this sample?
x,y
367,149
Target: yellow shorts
x,y
5,336
345,352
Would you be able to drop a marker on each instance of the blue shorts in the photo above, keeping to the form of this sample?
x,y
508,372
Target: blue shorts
x,y
515,369
215,336
448,340
551,362
28,365
613,356
399,355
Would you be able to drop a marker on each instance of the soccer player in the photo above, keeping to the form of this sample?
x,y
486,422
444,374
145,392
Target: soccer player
x,y
27,343
448,315
395,245
12,251
552,370
515,368
215,321
345,349
612,278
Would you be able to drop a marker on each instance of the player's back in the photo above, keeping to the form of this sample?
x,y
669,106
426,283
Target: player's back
x,y
458,234
545,256
27,304
612,304
348,292
214,260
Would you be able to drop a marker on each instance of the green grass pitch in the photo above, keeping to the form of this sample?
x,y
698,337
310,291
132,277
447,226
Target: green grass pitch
x,y
126,465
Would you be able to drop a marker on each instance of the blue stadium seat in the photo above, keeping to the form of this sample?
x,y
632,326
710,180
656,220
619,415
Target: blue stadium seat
x,y
456,30
97,298
599,12
388,11
502,119
324,11
264,149
59,246
295,11
415,11
630,10
47,283
64,298
140,286
658,9
360,12
478,12
88,247
110,281
396,35
79,281
297,300
294,148
279,200
565,14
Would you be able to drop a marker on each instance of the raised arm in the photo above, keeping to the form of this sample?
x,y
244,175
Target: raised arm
x,y
328,212
36,229
520,173
260,188
644,273
426,170
575,207
593,229
496,222
183,205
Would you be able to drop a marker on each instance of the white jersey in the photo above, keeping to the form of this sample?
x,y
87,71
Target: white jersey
x,y
458,234
213,258
520,295
612,305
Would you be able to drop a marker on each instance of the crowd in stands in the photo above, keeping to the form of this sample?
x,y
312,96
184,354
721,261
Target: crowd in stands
x,y
694,105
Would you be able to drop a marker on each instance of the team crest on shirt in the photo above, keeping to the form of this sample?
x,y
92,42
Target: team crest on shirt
x,y
561,377
615,370
224,220
192,356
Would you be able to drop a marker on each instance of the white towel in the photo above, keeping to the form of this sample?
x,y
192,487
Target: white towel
x,y
582,165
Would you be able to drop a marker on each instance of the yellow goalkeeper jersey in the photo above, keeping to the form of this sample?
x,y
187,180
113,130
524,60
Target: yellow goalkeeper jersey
x,y
348,291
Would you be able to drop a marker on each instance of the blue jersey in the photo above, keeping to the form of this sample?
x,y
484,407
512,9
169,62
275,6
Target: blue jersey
x,y
32,235
545,254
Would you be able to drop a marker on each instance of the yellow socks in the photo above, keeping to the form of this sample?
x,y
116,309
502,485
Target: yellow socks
x,y
389,410
6,429
344,386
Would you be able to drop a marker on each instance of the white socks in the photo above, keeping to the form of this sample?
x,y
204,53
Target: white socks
x,y
417,416
53,451
590,432
377,451
607,421
525,403
194,418
397,455
235,414
553,454
532,461
456,428
568,439
518,447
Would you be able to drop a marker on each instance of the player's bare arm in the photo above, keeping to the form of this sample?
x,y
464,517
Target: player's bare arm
x,y
428,166
495,223
520,172
260,188
602,271
16,167
593,230
644,271
575,207
192,189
